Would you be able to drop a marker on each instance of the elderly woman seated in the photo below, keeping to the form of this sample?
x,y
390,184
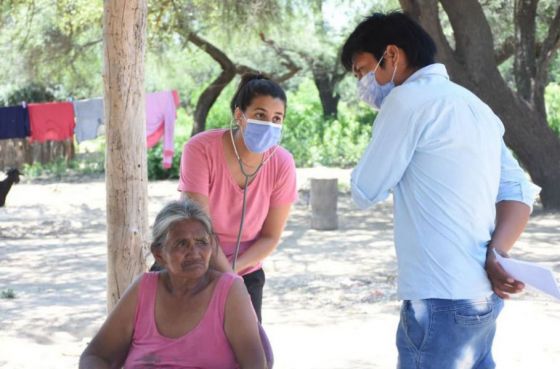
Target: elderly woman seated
x,y
185,316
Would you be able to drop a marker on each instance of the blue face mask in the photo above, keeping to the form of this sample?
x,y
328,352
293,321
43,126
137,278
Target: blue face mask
x,y
260,136
371,92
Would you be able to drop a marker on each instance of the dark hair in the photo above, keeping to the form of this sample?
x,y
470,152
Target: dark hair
x,y
378,30
253,85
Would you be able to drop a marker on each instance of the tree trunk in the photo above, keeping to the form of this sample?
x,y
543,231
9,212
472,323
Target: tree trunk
x,y
329,98
213,91
473,64
124,25
208,98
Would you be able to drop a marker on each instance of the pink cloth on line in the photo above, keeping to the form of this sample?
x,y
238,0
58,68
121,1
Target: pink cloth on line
x,y
205,346
205,171
161,113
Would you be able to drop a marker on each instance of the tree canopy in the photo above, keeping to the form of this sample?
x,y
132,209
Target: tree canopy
x,y
504,51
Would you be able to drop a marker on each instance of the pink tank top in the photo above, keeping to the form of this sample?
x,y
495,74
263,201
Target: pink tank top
x,y
205,346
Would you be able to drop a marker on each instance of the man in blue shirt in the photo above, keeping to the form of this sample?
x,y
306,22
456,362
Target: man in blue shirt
x,y
458,193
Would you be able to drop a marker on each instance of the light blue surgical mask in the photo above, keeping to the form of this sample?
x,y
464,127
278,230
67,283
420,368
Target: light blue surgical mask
x,y
371,92
260,136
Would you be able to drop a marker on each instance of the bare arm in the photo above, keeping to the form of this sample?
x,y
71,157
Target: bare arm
x,y
242,330
511,219
268,240
109,347
219,261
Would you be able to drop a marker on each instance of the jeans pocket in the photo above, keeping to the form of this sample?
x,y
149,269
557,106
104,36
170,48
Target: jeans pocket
x,y
415,318
475,313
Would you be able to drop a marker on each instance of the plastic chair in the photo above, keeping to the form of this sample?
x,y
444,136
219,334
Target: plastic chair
x,y
267,348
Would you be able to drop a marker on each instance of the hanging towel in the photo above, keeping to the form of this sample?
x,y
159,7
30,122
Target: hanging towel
x,y
51,121
89,118
161,112
14,122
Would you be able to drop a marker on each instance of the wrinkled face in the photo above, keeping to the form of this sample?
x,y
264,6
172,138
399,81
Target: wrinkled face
x,y
187,250
265,108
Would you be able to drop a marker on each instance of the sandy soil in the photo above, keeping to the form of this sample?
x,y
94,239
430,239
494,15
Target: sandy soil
x,y
329,299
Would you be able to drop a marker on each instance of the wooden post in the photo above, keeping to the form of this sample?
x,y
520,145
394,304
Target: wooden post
x,y
323,198
124,35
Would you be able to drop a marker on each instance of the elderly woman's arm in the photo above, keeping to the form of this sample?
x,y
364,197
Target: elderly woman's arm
x,y
242,329
109,347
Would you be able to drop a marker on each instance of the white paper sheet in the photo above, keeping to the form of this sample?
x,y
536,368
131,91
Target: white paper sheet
x,y
532,274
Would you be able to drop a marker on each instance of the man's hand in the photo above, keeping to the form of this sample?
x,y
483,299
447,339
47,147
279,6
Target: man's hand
x,y
502,283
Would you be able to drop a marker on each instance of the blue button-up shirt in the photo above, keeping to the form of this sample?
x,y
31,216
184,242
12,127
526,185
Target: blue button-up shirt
x,y
440,150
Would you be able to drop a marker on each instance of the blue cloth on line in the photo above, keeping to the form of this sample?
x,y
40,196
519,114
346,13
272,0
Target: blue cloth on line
x,y
14,122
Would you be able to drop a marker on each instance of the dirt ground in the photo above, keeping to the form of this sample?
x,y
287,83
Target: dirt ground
x,y
329,299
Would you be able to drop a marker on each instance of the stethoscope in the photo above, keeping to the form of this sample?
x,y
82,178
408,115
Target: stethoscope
x,y
245,186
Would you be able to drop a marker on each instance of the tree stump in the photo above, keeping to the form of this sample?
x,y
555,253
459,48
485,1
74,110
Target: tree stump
x,y
323,198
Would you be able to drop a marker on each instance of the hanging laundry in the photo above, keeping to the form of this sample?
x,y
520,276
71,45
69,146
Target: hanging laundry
x,y
14,122
89,119
176,98
51,121
161,113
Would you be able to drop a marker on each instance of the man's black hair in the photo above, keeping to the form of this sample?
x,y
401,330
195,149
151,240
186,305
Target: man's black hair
x,y
378,30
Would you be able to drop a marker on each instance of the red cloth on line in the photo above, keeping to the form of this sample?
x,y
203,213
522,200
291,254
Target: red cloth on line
x,y
176,98
51,121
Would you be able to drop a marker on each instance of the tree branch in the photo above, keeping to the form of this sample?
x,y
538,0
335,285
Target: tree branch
x,y
216,54
525,67
473,37
288,62
425,12
550,45
505,51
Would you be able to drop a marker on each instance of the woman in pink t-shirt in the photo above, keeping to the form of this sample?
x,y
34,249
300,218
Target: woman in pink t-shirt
x,y
216,165
186,316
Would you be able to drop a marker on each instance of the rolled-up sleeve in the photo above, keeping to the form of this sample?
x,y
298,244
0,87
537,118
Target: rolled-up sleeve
x,y
386,157
515,185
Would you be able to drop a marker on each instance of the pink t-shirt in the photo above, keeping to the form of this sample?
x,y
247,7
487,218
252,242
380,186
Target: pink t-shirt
x,y
204,170
205,346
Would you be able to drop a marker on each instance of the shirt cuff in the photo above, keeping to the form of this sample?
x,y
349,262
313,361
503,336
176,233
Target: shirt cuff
x,y
525,192
359,197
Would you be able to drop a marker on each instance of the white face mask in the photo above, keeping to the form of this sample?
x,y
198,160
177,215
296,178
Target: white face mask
x,y
370,91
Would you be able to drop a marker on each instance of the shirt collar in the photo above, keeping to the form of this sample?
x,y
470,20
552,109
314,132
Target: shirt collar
x,y
436,69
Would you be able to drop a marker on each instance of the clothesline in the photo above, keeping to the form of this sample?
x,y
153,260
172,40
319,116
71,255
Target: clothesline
x,y
60,121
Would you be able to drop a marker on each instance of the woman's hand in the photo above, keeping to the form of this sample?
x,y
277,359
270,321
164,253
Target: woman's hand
x,y
268,240
502,283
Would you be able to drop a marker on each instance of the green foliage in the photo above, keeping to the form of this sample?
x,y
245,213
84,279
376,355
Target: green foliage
x,y
8,294
54,43
220,114
552,99
31,93
312,140
86,164
304,125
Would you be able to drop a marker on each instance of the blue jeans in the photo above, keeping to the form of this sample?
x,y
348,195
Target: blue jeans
x,y
447,334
